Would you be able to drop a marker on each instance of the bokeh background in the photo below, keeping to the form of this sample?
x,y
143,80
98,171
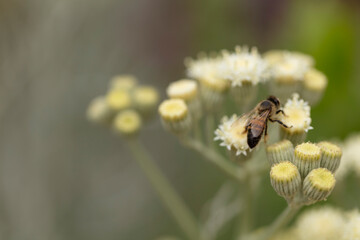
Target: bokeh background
x,y
63,178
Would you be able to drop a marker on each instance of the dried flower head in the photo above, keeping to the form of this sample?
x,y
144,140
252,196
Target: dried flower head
x,y
232,133
324,223
243,66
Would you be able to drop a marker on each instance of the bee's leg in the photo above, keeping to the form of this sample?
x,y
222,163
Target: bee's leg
x,y
281,111
266,133
278,121
246,127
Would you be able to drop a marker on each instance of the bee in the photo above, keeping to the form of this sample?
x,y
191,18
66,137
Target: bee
x,y
257,119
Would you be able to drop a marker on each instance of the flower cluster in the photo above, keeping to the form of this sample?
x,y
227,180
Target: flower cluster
x,y
125,106
324,223
308,171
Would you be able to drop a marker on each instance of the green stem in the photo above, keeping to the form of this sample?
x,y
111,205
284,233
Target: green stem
x,y
210,123
247,217
215,158
283,219
166,192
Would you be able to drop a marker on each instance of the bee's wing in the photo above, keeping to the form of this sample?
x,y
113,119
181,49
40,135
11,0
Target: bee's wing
x,y
258,123
244,117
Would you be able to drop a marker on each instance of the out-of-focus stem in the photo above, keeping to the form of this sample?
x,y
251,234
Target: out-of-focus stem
x,y
166,192
215,158
280,222
247,217
210,123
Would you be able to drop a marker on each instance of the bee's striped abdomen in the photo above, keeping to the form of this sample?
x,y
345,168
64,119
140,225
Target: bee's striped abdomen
x,y
255,131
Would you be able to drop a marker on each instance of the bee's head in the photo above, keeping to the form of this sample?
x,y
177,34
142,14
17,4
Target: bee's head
x,y
274,100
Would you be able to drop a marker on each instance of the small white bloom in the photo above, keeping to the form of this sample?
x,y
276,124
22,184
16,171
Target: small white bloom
x,y
243,66
324,223
352,228
290,67
233,135
297,115
351,156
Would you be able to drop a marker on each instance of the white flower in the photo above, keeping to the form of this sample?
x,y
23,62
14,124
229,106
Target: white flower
x,y
351,156
324,223
233,135
291,67
352,228
297,115
243,66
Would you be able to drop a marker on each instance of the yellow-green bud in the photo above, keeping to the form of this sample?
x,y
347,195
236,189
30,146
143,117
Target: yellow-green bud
x,y
280,152
331,156
175,116
118,99
99,111
318,184
127,122
285,179
315,83
307,157
124,82
187,90
145,99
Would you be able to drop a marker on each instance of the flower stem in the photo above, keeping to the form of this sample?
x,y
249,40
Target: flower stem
x,y
215,158
284,218
209,124
166,192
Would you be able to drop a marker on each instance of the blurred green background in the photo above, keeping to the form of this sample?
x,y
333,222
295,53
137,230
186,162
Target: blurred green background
x,y
63,178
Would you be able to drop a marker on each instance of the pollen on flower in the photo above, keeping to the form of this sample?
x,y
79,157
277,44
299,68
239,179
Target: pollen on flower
x,y
297,115
127,122
233,135
243,66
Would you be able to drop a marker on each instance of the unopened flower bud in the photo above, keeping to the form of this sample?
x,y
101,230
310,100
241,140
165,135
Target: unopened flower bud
x,y
315,83
307,157
331,156
145,99
186,90
99,111
175,116
280,152
318,184
127,122
124,82
285,179
297,118
118,99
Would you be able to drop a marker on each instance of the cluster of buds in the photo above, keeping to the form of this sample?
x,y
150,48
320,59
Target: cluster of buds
x,y
125,106
308,169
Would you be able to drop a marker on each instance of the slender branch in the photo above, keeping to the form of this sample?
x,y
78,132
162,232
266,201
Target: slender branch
x,y
247,217
215,158
166,192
